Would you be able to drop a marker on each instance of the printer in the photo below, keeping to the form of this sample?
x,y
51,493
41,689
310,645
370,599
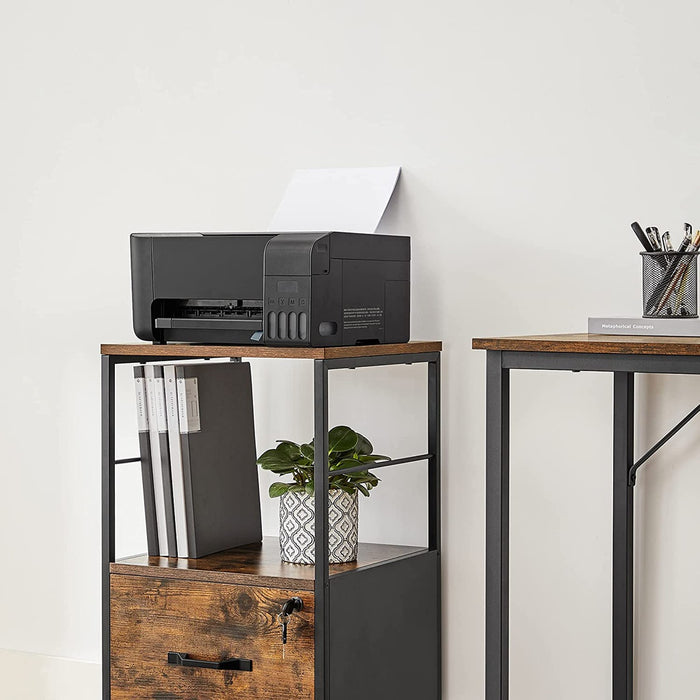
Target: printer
x,y
295,289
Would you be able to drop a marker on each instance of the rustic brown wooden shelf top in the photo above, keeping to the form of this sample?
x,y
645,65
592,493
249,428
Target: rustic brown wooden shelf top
x,y
589,343
256,564
182,350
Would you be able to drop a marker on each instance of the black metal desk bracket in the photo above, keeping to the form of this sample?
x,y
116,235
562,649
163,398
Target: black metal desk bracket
x,y
660,444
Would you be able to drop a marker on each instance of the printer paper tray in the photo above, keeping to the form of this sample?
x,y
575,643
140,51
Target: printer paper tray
x,y
211,324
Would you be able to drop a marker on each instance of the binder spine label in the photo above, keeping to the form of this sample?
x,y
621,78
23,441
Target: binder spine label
x,y
161,416
170,399
141,408
188,405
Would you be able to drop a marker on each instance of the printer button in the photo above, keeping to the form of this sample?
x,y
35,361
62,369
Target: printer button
x,y
292,301
282,325
292,326
281,301
302,302
327,328
272,325
303,325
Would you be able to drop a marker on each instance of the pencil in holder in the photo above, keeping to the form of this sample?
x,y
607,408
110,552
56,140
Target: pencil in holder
x,y
670,285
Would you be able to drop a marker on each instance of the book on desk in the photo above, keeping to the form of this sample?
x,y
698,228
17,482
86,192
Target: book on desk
x,y
682,327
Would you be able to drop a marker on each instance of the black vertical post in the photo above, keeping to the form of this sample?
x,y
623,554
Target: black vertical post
x,y
434,495
497,516
107,509
321,483
623,536
434,517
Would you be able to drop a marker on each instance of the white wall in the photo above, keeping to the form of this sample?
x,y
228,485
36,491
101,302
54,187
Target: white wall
x,y
530,134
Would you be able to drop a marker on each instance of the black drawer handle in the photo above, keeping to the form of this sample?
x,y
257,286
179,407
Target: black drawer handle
x,y
175,657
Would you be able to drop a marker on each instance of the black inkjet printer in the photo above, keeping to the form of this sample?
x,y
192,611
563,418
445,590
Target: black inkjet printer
x,y
299,289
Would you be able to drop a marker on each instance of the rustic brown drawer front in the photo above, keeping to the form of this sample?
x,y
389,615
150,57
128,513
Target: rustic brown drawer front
x,y
209,621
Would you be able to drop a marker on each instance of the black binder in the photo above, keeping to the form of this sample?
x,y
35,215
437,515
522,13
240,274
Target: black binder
x,y
146,462
217,434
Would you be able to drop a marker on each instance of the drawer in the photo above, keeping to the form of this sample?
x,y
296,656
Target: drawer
x,y
151,617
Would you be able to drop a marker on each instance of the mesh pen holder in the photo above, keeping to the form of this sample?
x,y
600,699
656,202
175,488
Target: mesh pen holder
x,y
670,285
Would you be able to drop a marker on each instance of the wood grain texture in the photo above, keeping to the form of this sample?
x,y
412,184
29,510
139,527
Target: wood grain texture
x,y
254,565
146,350
213,622
590,343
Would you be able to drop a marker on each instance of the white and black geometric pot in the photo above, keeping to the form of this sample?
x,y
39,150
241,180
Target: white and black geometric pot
x,y
297,541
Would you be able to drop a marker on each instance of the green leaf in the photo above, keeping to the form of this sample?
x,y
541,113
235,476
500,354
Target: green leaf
x,y
278,488
280,471
308,451
289,449
345,463
275,460
364,446
341,438
277,467
309,488
362,490
267,455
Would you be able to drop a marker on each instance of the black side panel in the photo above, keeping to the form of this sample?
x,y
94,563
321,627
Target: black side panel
x,y
142,285
397,322
384,636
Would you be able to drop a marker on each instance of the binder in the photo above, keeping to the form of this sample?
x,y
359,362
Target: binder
x,y
217,440
175,450
146,463
160,456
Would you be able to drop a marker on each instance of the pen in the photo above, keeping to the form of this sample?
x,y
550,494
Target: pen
x,y
639,232
653,236
666,242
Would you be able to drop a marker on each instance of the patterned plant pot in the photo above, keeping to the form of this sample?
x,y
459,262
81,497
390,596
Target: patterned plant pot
x,y
297,540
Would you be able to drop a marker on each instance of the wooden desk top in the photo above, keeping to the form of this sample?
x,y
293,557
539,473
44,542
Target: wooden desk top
x,y
183,350
589,343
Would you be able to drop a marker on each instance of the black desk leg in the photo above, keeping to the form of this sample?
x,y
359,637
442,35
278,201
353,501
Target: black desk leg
x,y
107,509
497,515
623,536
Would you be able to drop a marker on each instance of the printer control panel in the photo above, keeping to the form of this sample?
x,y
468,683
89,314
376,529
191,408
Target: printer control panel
x,y
286,309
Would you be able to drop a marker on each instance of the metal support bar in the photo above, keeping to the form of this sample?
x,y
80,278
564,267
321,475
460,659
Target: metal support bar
x,y
384,463
660,444
128,460
108,553
601,362
434,488
623,537
321,576
497,525
381,360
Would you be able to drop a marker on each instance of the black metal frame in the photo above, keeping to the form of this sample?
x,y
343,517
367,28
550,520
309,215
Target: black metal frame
x,y
322,619
623,369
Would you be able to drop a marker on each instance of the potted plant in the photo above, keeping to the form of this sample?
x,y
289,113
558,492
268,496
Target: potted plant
x,y
346,448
